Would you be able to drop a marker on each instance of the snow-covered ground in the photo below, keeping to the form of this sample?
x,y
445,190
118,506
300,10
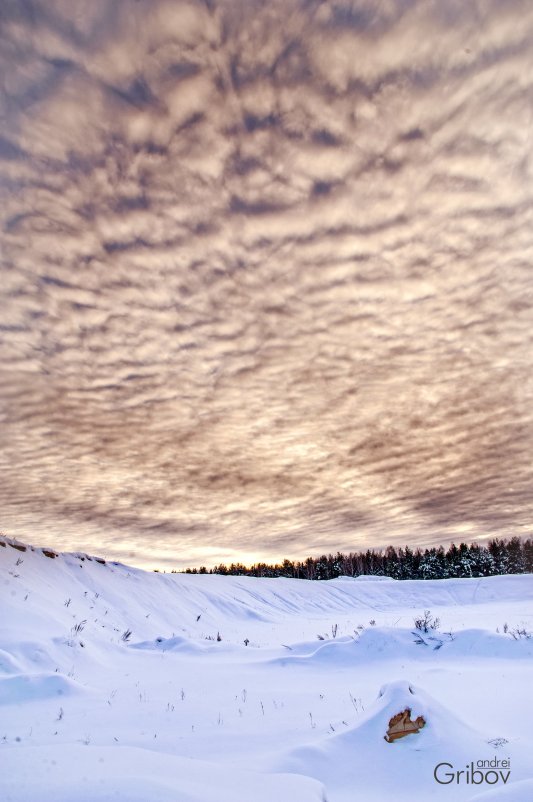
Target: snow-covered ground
x,y
114,686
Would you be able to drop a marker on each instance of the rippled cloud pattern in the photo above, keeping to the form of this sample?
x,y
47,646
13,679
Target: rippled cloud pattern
x,y
266,282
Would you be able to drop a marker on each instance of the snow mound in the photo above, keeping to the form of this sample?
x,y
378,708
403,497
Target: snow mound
x,y
32,687
381,642
341,761
376,643
481,643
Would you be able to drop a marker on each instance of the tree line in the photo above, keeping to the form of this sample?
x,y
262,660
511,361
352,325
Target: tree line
x,y
499,556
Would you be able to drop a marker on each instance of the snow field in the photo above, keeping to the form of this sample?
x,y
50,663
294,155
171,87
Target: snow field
x,y
113,684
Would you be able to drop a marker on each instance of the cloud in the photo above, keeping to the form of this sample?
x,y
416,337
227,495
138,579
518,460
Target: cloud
x,y
266,285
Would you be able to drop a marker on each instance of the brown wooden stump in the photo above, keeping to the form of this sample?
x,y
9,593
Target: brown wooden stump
x,y
401,725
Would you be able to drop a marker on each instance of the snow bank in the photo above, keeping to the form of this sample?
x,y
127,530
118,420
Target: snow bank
x,y
387,643
79,773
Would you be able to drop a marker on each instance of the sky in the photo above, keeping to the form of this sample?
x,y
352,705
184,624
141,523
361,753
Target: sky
x,y
266,285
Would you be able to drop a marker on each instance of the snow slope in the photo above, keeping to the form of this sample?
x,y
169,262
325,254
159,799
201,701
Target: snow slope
x,y
120,684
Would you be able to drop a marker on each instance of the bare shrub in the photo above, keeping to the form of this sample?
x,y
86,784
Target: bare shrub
x,y
520,632
426,622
